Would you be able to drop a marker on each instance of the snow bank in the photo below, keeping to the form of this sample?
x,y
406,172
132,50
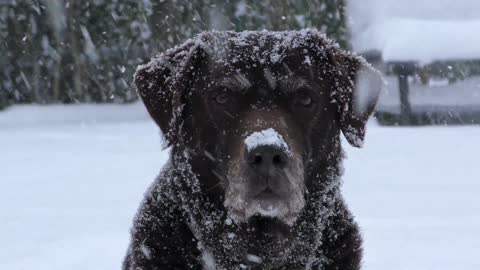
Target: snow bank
x,y
68,191
38,115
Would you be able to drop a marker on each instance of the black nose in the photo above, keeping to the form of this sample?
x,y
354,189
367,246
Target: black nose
x,y
266,159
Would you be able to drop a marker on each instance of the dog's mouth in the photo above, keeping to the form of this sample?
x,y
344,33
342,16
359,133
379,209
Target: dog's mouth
x,y
264,192
267,208
266,203
267,194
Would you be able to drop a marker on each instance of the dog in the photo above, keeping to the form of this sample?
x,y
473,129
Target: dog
x,y
254,122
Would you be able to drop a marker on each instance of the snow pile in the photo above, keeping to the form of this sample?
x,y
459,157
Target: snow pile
x,y
77,114
266,137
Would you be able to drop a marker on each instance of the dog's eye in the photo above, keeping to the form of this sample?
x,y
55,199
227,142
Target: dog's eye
x,y
303,99
222,98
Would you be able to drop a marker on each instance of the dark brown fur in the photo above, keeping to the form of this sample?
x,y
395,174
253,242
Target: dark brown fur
x,y
186,215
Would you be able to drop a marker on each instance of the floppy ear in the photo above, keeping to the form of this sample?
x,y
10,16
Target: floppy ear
x,y
357,87
152,84
162,85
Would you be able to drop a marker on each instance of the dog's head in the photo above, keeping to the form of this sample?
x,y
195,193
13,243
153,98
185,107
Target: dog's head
x,y
260,112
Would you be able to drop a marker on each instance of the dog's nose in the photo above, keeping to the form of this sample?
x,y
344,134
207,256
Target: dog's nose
x,y
266,159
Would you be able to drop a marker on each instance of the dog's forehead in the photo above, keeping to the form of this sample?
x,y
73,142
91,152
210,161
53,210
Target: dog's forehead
x,y
265,61
245,73
279,52
262,81
285,77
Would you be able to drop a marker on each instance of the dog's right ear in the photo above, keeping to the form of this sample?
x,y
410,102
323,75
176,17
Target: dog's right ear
x,y
162,85
357,89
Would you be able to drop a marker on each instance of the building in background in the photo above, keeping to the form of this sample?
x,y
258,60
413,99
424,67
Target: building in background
x,y
429,50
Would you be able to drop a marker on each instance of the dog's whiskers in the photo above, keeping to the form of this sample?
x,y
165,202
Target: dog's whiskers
x,y
214,186
298,195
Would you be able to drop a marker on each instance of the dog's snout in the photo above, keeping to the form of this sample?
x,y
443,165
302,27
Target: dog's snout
x,y
264,159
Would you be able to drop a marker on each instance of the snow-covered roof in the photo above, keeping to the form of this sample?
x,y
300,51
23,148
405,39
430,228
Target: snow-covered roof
x,y
422,40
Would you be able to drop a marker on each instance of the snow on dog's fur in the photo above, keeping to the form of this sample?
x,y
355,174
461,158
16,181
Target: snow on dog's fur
x,y
254,122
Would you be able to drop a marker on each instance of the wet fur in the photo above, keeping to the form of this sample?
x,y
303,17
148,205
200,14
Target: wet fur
x,y
183,220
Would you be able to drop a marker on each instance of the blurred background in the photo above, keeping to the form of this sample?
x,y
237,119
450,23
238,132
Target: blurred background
x,y
77,150
56,51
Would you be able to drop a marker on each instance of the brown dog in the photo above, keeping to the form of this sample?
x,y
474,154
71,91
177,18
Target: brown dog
x,y
253,120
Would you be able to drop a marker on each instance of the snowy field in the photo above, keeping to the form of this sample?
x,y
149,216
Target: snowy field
x,y
71,179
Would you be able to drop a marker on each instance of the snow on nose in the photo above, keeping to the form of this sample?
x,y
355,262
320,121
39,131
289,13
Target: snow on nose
x,y
266,137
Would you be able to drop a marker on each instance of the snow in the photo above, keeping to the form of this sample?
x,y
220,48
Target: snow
x,y
241,9
146,251
414,192
90,49
70,186
72,178
254,258
70,115
398,39
223,45
266,137
267,210
414,30
208,260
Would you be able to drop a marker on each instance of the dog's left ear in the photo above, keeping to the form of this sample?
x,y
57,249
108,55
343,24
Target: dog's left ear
x,y
356,91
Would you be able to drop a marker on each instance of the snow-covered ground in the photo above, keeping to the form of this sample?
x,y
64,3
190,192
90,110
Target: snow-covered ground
x,y
71,178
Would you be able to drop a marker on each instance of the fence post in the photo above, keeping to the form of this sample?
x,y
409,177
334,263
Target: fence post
x,y
405,107
403,70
